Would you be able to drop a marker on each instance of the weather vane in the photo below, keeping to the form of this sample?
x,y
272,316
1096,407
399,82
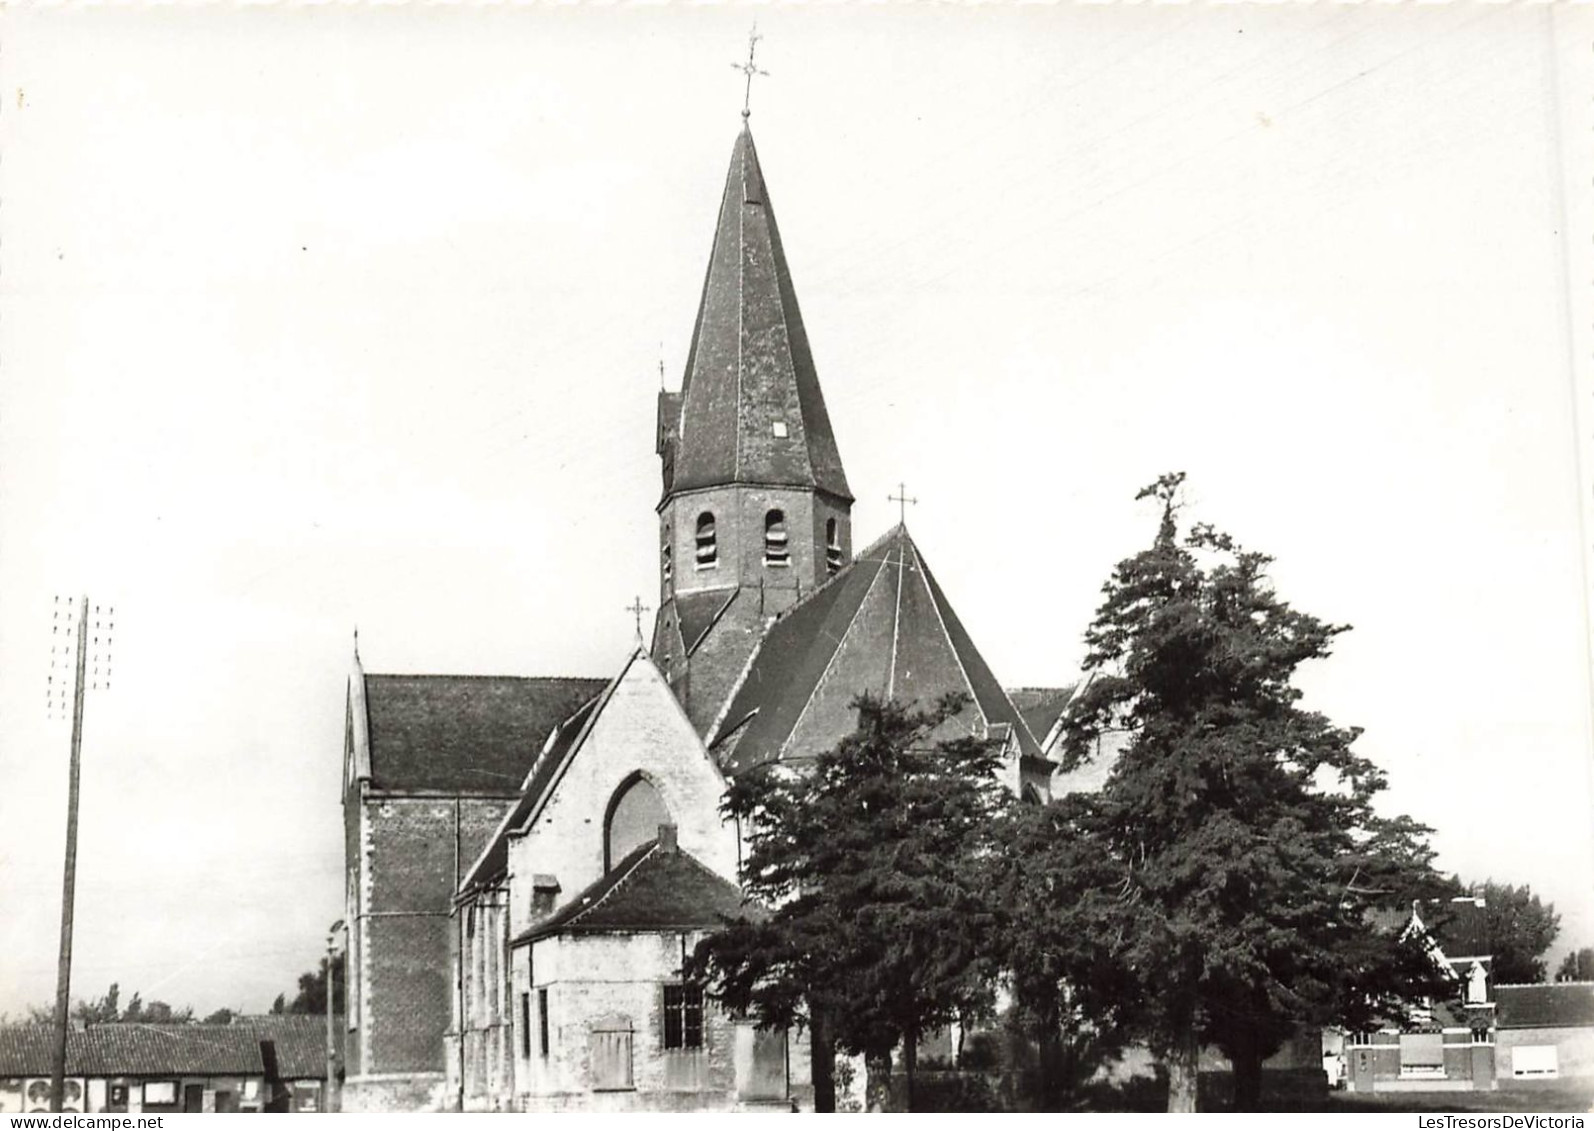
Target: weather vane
x,y
749,69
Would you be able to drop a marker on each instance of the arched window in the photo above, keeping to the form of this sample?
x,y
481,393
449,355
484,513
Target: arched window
x,y
667,558
708,551
776,550
635,813
832,545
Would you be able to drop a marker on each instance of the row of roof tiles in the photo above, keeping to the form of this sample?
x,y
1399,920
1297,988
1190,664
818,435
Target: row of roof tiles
x,y
290,1047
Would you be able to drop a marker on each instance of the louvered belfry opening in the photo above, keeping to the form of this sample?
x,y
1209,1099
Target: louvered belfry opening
x,y
708,551
777,551
832,546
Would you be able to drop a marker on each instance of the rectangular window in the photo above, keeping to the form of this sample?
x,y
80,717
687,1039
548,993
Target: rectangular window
x,y
542,1021
525,1026
683,1017
160,1092
1422,1054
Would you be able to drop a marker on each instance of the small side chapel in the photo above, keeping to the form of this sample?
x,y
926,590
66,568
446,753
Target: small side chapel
x,y
563,849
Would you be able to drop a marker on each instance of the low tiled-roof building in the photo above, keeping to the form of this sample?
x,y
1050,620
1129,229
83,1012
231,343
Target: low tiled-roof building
x,y
1544,1032
252,1065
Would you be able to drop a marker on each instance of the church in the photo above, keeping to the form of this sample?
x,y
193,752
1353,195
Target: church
x,y
528,860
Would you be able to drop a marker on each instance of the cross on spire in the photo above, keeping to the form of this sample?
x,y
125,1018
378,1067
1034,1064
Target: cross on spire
x,y
903,501
636,608
749,69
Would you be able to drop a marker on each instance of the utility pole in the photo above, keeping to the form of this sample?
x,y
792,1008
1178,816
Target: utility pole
x,y
63,981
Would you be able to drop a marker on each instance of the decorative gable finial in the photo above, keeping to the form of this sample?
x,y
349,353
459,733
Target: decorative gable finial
x,y
749,69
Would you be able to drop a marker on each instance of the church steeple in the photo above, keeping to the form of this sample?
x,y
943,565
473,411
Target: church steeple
x,y
756,512
750,410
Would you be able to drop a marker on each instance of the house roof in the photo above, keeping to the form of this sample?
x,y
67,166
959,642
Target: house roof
x,y
881,625
139,1049
1460,927
656,888
299,1041
1554,1005
463,734
749,368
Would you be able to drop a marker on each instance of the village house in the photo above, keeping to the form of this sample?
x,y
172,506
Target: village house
x,y
1544,1032
252,1065
1443,1045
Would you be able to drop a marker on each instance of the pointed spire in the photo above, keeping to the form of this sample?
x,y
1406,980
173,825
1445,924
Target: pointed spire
x,y
751,410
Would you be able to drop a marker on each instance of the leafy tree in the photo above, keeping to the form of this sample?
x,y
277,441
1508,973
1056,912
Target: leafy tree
x,y
1521,928
221,1016
881,929
100,1010
1578,966
1246,856
312,995
156,1012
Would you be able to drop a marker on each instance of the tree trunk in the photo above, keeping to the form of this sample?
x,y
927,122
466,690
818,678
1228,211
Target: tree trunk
x,y
1183,1060
1247,1080
822,1062
910,1061
1052,1069
877,1092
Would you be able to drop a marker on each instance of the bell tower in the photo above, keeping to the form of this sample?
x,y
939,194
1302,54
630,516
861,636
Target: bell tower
x,y
756,512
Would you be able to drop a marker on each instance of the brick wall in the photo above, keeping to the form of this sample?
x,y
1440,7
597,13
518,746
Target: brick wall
x,y
413,851
739,514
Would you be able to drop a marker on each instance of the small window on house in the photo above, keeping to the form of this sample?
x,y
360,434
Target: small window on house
x,y
542,1022
708,551
525,1026
683,1017
776,550
832,546
160,1092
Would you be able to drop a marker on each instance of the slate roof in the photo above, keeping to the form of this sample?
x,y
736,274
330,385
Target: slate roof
x,y
1460,927
494,859
1551,1006
1041,707
881,625
138,1049
463,734
698,611
749,366
653,889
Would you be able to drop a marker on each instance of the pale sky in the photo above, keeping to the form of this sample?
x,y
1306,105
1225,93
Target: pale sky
x,y
316,317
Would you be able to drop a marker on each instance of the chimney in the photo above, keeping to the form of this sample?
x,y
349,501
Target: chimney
x,y
667,839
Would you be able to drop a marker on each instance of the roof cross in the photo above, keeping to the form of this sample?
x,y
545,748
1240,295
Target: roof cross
x,y
636,608
749,69
903,501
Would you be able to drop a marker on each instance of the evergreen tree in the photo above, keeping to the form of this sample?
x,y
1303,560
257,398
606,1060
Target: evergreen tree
x,y
1245,854
881,930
